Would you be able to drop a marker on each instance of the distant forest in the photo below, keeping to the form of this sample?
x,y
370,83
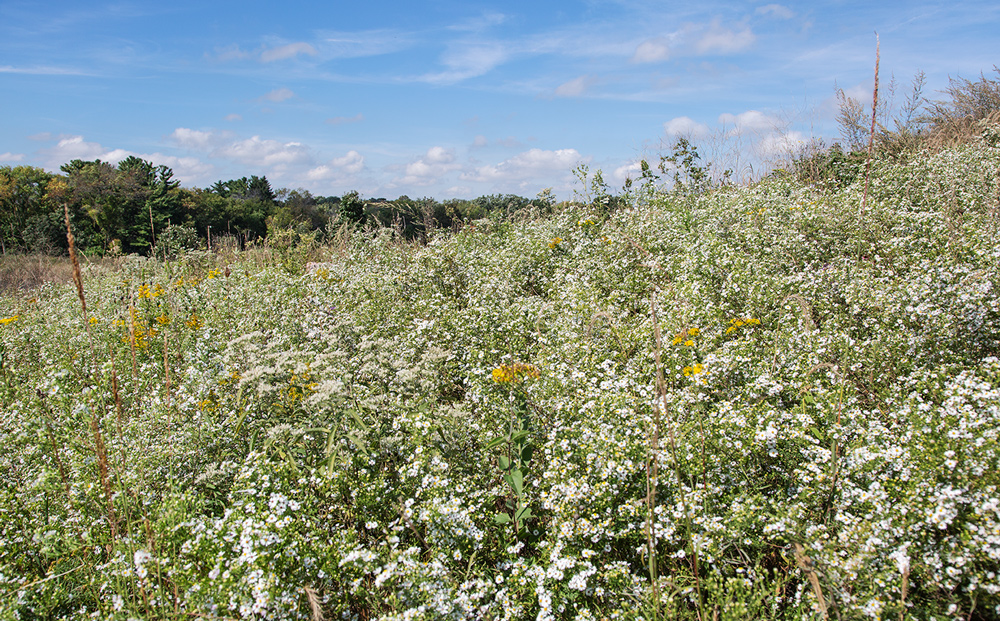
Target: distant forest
x,y
138,207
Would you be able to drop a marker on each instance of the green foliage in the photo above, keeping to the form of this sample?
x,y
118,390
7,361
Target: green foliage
x,y
174,241
368,439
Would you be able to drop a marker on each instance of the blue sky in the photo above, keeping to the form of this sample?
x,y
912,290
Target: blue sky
x,y
454,98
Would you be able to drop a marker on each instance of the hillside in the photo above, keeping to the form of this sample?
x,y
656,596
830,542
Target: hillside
x,y
778,401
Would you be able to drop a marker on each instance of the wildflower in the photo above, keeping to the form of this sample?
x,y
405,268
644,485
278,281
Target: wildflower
x,y
514,373
739,322
7,320
556,241
93,320
684,337
194,322
693,370
163,320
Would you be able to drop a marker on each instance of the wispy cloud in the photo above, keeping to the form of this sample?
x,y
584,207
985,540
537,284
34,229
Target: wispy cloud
x,y
278,95
466,60
721,40
652,51
11,157
575,87
43,70
777,10
340,120
285,52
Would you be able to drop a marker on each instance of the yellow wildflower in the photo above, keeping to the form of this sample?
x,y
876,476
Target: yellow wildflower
x,y
7,320
163,320
555,242
194,322
514,373
693,370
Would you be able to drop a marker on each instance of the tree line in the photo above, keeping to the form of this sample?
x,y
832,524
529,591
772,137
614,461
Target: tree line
x,y
131,206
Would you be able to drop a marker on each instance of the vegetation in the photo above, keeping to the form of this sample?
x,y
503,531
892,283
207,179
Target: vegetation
x,y
742,402
126,208
686,401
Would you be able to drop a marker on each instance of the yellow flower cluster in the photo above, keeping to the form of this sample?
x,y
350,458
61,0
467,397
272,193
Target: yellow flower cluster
x,y
7,320
190,281
300,385
686,337
141,336
555,242
194,322
693,370
514,373
736,324
146,292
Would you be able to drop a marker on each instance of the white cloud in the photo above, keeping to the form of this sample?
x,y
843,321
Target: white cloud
x,y
721,40
11,157
194,139
632,170
480,141
437,162
189,170
257,152
781,145
778,10
575,87
529,164
685,126
76,148
233,117
352,162
278,95
751,120
652,51
339,169
287,51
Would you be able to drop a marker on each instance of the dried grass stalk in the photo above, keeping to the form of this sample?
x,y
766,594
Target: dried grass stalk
x,y
806,564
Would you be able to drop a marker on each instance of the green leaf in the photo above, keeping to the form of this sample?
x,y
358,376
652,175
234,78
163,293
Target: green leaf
x,y
501,518
523,514
495,443
504,462
517,481
526,451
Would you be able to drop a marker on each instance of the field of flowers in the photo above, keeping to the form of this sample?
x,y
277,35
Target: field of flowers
x,y
770,402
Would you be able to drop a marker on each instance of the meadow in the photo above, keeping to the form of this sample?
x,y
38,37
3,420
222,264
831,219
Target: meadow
x,y
772,401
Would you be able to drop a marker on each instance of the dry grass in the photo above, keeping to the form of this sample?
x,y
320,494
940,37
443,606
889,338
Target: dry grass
x,y
24,272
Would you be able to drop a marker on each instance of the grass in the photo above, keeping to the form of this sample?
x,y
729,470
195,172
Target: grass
x,y
813,435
